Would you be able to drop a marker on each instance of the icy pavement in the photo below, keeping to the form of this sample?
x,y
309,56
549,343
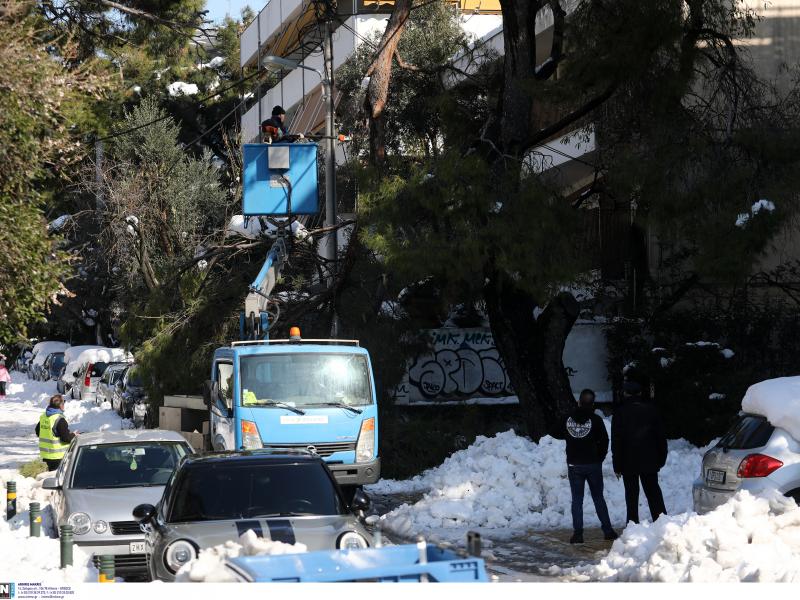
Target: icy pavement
x,y
25,402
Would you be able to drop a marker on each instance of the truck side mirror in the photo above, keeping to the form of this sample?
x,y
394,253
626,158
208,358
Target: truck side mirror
x,y
210,392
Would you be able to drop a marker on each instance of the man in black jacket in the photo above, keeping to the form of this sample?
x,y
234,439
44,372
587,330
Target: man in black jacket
x,y
639,450
587,446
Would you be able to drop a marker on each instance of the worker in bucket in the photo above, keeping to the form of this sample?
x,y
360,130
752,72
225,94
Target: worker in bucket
x,y
274,128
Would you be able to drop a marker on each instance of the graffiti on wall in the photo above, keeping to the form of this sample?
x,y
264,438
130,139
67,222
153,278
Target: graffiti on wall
x,y
462,364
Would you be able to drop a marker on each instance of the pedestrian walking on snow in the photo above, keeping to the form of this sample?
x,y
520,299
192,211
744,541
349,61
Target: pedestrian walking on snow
x,y
587,446
54,434
5,378
639,450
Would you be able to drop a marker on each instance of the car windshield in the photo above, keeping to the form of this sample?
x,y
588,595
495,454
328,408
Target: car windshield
x,y
748,432
304,380
57,361
134,379
126,465
223,491
116,375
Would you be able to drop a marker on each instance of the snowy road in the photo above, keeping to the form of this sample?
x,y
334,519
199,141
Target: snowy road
x,y
19,413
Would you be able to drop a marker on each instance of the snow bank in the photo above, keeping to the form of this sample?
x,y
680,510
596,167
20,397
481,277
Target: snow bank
x,y
746,539
507,484
181,88
255,228
778,400
92,354
24,558
42,349
210,564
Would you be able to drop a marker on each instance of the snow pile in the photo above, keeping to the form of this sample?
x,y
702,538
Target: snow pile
x,y
254,228
43,349
778,400
25,558
210,564
214,63
506,484
746,539
58,223
181,88
78,356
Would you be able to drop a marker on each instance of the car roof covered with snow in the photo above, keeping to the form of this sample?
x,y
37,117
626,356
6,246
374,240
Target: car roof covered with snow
x,y
122,436
778,400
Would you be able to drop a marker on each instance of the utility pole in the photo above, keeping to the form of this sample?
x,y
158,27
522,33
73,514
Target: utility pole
x,y
331,242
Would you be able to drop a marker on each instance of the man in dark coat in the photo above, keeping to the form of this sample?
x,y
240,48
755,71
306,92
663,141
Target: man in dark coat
x,y
587,446
274,127
639,450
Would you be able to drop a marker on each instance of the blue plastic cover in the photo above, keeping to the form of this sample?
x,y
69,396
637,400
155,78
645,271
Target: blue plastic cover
x,y
387,564
266,191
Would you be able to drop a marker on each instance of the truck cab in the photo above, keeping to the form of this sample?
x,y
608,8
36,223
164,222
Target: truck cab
x,y
313,395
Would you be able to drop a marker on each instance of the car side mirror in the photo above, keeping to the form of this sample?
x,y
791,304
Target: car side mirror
x,y
360,502
75,374
51,483
144,513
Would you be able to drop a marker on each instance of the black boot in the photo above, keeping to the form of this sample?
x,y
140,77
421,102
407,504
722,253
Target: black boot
x,y
610,535
577,538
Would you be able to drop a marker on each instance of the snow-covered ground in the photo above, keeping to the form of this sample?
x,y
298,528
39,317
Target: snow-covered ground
x,y
747,539
25,403
22,557
505,485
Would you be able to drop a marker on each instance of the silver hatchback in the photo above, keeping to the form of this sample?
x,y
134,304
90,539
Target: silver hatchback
x,y
213,499
102,477
753,455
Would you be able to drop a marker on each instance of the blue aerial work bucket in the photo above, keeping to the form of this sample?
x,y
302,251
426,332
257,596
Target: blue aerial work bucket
x,y
280,179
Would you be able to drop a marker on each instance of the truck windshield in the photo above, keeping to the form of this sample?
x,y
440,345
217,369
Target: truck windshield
x,y
305,380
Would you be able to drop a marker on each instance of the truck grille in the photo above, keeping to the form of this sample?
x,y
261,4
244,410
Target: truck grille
x,y
125,528
322,449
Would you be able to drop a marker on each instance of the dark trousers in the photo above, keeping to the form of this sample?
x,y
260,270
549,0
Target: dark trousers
x,y
652,492
2,388
592,474
52,465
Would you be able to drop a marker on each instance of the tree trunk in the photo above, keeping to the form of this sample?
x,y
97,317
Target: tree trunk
x,y
532,351
380,74
531,348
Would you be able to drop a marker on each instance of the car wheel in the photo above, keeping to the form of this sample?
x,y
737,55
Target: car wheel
x,y
795,495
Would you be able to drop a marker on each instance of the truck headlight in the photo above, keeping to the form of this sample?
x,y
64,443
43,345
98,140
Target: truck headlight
x,y
250,437
351,540
365,447
81,523
178,553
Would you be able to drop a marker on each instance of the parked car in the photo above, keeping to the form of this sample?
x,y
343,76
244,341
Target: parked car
x,y
213,498
52,367
129,392
40,352
102,478
108,382
753,455
85,387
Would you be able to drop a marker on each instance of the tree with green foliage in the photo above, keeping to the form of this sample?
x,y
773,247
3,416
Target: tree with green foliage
x,y
679,118
40,100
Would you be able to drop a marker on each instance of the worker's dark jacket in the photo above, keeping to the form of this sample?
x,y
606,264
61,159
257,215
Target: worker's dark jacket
x,y
275,122
61,430
638,443
586,436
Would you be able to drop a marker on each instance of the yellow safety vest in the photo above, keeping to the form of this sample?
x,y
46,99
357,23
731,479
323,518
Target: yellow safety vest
x,y
50,445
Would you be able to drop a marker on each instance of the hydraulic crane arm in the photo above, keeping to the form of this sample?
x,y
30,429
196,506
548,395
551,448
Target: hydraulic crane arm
x,y
254,322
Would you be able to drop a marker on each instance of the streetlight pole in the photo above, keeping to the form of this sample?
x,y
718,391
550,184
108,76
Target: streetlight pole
x,y
331,241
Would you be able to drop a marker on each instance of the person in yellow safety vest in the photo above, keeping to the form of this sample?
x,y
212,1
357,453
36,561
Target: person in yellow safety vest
x,y
54,434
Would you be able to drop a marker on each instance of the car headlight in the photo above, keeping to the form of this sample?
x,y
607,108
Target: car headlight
x,y
81,523
351,540
100,526
365,447
178,553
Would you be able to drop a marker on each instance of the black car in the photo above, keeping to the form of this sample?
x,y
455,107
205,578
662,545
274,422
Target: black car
x,y
53,365
128,392
281,496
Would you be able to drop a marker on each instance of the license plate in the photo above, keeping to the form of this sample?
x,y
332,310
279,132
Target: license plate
x,y
137,548
715,476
